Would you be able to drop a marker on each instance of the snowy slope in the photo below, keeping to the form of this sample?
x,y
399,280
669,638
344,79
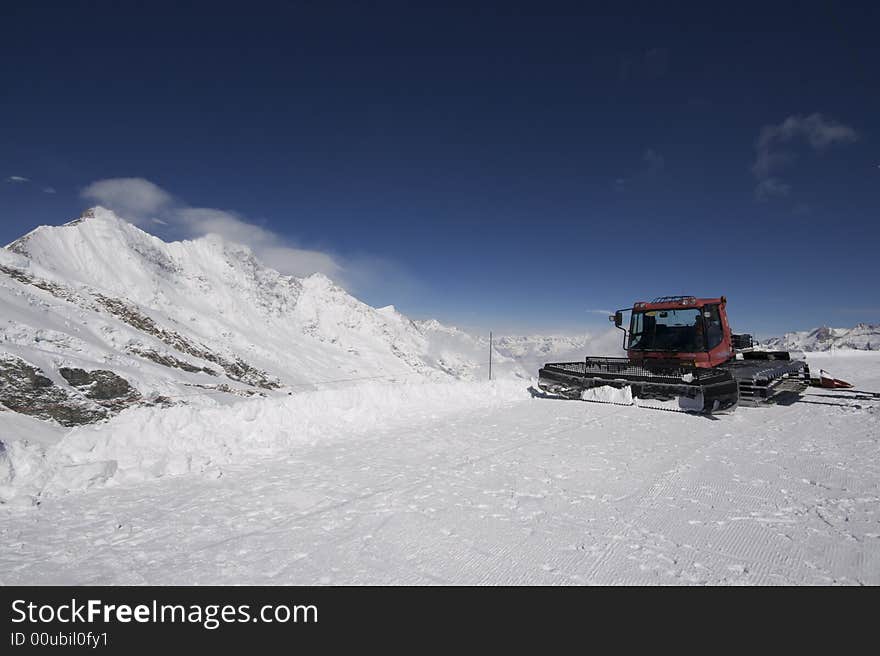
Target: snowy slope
x,y
862,336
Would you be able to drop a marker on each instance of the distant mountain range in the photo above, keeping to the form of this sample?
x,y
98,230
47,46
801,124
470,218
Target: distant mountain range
x,y
862,336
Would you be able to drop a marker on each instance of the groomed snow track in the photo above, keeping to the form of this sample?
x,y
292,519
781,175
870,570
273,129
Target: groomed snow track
x,y
521,492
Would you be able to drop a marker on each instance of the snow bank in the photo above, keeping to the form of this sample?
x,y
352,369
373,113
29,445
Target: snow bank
x,y
24,442
144,443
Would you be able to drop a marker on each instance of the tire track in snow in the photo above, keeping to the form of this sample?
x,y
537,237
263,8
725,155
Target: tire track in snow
x,y
389,486
759,551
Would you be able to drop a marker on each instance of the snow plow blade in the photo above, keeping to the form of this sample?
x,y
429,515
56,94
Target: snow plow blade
x,y
713,390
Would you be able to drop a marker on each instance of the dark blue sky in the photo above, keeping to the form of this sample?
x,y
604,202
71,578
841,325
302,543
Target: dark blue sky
x,y
510,165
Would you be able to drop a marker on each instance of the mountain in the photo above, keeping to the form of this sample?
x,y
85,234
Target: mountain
x,y
100,315
537,349
862,336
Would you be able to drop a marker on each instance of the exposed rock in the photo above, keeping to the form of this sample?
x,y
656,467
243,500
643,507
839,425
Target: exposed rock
x,y
100,385
168,360
223,387
25,389
96,395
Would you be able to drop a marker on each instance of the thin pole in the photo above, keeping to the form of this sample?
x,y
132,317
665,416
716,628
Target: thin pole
x,y
490,355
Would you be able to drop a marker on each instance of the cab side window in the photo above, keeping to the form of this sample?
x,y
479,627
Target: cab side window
x,y
714,333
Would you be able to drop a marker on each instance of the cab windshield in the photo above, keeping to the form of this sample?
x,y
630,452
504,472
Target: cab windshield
x,y
667,330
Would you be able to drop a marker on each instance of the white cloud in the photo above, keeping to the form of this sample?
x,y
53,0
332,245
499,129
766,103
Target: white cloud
x,y
48,190
17,179
303,262
272,249
815,130
146,204
134,198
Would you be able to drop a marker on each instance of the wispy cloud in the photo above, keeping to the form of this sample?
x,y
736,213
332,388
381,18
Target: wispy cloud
x,y
21,180
146,204
770,187
816,130
271,248
135,198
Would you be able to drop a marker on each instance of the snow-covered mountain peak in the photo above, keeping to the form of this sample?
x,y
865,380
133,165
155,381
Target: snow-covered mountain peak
x,y
93,248
99,213
205,276
97,218
103,252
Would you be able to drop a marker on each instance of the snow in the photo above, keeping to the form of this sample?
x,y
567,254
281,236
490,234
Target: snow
x,y
472,484
691,404
23,445
858,367
608,394
145,443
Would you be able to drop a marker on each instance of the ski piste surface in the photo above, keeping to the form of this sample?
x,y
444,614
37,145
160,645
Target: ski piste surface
x,y
514,492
